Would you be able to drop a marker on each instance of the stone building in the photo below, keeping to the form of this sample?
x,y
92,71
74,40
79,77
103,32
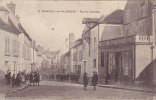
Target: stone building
x,y
109,59
65,63
15,42
130,58
9,45
77,52
25,50
90,45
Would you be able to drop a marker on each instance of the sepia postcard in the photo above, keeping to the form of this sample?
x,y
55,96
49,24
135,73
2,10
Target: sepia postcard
x,y
77,49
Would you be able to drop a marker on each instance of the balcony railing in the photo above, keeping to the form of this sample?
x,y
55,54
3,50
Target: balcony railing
x,y
126,40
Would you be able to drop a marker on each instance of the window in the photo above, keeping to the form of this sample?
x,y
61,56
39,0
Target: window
x,y
94,40
7,47
7,68
102,59
126,63
111,63
89,49
80,55
15,50
85,66
94,43
94,63
78,69
74,56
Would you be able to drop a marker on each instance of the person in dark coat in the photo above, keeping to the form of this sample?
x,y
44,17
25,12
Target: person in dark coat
x,y
95,80
31,78
38,78
18,80
85,80
9,77
13,81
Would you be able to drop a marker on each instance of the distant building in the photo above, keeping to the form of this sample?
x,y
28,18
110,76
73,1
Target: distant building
x,y
25,50
65,63
76,57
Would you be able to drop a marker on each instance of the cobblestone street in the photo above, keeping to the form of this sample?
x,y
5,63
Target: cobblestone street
x,y
49,90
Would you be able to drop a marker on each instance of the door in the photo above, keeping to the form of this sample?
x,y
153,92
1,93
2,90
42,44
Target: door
x,y
85,66
118,64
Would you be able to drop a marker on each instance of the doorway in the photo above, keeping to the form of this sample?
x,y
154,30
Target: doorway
x,y
85,62
118,64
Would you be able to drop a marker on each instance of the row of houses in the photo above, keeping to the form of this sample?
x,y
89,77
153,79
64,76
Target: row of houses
x,y
121,45
18,51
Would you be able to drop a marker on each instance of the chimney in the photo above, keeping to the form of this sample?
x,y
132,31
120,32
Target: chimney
x,y
71,40
11,7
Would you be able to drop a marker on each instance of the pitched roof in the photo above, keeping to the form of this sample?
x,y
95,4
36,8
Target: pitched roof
x,y
23,30
90,20
78,42
115,17
8,21
67,54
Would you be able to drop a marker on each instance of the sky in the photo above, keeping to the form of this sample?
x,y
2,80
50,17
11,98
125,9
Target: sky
x,y
50,29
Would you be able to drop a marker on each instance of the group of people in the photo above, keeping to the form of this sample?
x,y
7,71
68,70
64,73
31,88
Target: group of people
x,y
34,78
22,77
72,77
94,80
15,80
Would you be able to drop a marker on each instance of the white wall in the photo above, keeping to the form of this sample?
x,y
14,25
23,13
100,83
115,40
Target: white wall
x,y
143,58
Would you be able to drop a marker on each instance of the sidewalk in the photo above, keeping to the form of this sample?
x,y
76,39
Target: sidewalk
x,y
6,89
132,88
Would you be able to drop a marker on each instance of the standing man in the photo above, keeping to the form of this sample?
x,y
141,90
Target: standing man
x,y
13,81
9,77
31,78
85,80
95,80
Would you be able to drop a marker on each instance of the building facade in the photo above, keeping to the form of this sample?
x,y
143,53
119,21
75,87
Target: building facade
x,y
9,45
65,63
90,45
77,52
130,57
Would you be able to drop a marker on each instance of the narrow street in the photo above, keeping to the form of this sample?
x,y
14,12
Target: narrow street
x,y
52,90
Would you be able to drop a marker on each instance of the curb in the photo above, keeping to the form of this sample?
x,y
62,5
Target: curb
x,y
127,89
